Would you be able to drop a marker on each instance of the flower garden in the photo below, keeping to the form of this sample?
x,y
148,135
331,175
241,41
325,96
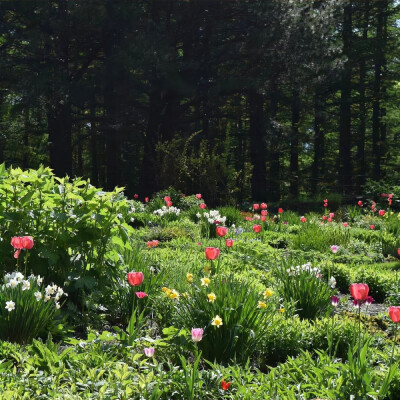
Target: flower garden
x,y
164,297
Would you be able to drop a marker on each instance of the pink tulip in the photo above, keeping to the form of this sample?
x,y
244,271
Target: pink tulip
x,y
381,213
198,196
149,351
303,219
334,248
141,295
264,206
263,218
345,224
167,199
264,213
197,334
360,203
135,196
256,207
202,206
372,227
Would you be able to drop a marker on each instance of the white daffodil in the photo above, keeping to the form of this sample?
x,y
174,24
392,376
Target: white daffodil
x,y
10,305
38,295
26,285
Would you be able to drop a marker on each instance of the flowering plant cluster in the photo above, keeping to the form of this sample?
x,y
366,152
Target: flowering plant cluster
x,y
165,210
26,307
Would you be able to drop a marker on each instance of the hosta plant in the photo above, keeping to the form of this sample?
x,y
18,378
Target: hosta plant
x,y
27,309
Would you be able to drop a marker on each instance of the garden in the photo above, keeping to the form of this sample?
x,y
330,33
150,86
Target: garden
x,y
163,297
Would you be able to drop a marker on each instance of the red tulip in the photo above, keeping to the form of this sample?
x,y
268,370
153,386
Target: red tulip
x,y
198,196
372,227
360,203
140,295
256,207
264,206
225,385
390,202
324,217
212,253
229,242
303,219
390,195
280,210
135,278
264,212
359,291
398,251
135,196
16,242
167,199
27,242
394,314
345,224
146,199
263,218
222,231
169,203
155,243
381,213
149,243
330,219
256,228
203,206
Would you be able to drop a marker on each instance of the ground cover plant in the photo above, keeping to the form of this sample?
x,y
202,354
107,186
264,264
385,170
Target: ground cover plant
x,y
106,297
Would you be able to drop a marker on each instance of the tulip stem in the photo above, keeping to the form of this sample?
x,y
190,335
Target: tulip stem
x,y
359,331
394,343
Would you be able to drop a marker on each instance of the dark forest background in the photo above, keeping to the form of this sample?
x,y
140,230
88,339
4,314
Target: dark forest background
x,y
238,99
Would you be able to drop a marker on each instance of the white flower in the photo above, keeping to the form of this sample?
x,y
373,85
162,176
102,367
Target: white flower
x,y
332,282
10,305
26,285
13,283
47,298
39,280
38,295
57,306
18,276
198,215
60,292
49,290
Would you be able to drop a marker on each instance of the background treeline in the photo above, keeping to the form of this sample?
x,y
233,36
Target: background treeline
x,y
240,99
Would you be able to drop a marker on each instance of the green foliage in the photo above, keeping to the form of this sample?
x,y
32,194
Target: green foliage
x,y
27,310
244,323
303,286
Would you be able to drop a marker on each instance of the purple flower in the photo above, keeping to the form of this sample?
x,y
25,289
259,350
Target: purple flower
x,y
335,301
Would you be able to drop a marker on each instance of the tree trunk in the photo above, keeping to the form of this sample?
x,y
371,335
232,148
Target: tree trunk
x,y
94,176
60,137
294,145
360,158
275,139
319,142
345,167
257,147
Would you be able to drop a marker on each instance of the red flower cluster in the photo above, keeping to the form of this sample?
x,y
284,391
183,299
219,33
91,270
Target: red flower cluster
x,y
152,243
21,243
